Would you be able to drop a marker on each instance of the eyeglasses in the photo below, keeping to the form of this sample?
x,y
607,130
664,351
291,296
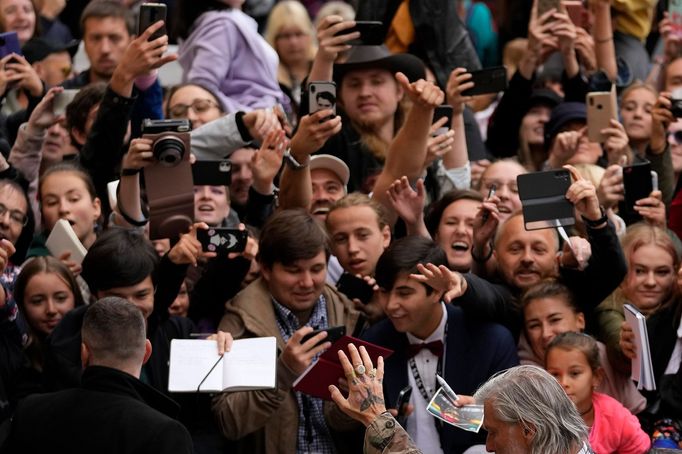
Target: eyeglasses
x,y
199,106
15,216
511,185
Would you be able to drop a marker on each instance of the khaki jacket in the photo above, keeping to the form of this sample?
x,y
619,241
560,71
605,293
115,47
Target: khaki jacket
x,y
266,421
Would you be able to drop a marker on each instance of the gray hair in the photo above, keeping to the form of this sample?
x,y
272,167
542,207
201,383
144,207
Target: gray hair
x,y
114,331
529,396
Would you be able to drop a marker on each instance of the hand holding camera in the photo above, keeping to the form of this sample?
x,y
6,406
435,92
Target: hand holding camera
x,y
333,35
188,250
139,154
313,131
25,76
611,191
617,143
459,81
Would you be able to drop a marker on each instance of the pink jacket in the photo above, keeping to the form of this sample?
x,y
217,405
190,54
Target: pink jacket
x,y
615,429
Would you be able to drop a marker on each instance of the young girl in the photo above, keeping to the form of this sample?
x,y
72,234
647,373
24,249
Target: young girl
x,y
45,291
67,192
548,311
573,359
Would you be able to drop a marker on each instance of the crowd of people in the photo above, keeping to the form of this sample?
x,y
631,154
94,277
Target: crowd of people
x,y
385,202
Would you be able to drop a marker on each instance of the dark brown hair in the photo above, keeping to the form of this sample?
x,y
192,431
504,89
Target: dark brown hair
x,y
584,343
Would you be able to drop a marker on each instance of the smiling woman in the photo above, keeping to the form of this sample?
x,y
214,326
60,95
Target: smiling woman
x,y
18,16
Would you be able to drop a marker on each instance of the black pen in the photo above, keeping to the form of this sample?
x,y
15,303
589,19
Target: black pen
x,y
486,213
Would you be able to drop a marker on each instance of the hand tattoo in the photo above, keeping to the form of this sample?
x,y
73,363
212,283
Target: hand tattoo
x,y
369,400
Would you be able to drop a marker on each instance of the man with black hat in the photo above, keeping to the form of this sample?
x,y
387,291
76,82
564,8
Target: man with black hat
x,y
52,61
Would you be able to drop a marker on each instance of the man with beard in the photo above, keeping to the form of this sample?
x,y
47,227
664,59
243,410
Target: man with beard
x,y
525,257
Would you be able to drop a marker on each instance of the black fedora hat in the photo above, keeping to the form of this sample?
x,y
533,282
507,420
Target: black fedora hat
x,y
364,57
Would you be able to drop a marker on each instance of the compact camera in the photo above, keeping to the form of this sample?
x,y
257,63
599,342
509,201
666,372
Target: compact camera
x,y
170,190
171,139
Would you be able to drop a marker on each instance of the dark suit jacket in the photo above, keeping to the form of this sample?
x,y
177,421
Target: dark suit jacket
x,y
474,351
112,412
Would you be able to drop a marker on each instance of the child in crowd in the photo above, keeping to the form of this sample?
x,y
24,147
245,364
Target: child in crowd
x,y
573,359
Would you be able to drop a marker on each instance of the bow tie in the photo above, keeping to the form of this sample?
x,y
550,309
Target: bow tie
x,y
435,347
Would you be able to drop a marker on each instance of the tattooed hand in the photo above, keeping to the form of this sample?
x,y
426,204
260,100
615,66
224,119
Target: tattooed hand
x,y
365,393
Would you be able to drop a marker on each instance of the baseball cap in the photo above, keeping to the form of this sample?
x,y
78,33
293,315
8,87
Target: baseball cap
x,y
37,49
332,163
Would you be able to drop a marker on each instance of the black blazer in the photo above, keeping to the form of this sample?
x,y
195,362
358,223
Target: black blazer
x,y
474,351
112,412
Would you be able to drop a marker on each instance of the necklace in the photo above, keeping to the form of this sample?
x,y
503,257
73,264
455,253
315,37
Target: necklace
x,y
588,410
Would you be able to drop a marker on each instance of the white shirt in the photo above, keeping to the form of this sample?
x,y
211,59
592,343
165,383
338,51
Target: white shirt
x,y
420,424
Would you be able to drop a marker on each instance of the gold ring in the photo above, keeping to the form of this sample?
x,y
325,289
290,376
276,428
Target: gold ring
x,y
360,369
372,373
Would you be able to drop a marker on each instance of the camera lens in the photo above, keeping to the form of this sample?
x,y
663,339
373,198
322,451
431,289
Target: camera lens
x,y
169,150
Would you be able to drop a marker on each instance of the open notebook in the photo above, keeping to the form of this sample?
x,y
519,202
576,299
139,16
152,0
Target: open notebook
x,y
249,365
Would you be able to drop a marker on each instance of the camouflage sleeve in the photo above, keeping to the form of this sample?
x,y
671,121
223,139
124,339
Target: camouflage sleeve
x,y
385,435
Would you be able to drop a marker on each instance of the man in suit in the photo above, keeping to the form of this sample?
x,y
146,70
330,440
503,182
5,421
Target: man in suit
x,y
112,411
429,337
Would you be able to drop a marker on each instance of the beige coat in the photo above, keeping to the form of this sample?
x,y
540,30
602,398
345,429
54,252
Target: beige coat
x,y
266,421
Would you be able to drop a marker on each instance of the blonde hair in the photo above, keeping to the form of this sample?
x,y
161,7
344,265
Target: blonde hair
x,y
289,13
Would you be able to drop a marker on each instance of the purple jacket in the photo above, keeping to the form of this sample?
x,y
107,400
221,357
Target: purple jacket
x,y
225,54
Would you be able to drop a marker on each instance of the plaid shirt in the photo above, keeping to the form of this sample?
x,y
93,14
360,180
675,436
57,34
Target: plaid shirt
x,y
313,434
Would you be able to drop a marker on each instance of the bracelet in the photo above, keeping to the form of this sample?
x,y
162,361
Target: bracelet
x,y
597,222
603,40
129,172
482,259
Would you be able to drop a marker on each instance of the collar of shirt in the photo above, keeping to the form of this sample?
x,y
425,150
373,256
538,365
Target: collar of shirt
x,y
288,322
437,335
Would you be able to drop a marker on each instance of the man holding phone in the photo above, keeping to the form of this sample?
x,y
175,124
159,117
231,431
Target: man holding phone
x,y
289,301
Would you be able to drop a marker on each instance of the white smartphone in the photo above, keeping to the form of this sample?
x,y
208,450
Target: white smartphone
x,y
63,239
654,180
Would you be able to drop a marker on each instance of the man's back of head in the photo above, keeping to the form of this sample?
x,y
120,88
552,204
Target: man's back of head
x,y
526,408
113,335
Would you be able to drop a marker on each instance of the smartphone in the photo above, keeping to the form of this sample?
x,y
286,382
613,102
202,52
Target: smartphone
x,y
371,33
150,13
543,199
638,184
546,5
487,80
9,44
576,12
444,110
401,404
63,99
675,16
601,109
355,287
212,173
491,192
321,95
333,334
219,239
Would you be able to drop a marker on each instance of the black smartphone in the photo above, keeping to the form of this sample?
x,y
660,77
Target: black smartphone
x,y
333,334
321,95
355,287
638,184
371,33
150,13
487,80
9,44
441,111
218,239
401,404
543,199
212,173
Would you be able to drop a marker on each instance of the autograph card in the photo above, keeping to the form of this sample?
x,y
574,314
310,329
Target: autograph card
x,y
468,417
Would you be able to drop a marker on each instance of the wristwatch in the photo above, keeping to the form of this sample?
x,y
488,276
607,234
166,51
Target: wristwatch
x,y
292,162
